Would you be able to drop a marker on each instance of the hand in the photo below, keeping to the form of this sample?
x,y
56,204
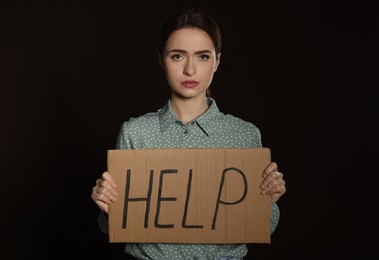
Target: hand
x,y
104,193
273,184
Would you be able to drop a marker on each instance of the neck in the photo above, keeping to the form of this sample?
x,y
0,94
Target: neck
x,y
186,110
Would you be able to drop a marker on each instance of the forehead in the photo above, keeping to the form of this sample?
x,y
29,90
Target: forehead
x,y
189,39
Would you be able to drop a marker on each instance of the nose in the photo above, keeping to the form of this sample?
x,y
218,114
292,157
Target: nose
x,y
189,68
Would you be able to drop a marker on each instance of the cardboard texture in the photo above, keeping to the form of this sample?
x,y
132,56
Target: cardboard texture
x,y
189,196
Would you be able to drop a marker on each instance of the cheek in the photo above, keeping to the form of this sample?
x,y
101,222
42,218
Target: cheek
x,y
171,75
209,71
172,71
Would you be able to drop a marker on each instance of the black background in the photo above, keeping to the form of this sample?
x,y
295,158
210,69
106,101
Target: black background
x,y
304,72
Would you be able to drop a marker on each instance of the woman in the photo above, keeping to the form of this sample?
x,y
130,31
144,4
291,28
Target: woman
x,y
189,53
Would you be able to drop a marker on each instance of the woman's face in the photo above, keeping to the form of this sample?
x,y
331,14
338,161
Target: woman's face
x,y
189,61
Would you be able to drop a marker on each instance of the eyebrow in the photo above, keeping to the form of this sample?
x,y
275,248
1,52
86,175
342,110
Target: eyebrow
x,y
183,51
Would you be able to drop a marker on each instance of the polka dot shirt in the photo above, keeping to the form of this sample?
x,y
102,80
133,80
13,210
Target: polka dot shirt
x,y
212,129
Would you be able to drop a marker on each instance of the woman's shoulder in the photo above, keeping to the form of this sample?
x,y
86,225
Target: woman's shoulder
x,y
240,129
145,120
239,122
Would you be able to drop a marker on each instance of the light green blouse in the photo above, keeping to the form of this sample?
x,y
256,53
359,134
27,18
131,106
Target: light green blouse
x,y
212,129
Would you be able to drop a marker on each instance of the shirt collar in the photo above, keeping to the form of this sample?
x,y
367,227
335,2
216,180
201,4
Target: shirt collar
x,y
167,116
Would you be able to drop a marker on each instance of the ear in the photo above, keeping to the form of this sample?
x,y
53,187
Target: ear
x,y
217,62
160,61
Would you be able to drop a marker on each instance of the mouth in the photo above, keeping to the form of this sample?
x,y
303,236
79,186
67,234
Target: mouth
x,y
189,83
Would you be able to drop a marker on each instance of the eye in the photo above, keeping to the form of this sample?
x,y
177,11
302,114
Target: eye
x,y
176,57
204,57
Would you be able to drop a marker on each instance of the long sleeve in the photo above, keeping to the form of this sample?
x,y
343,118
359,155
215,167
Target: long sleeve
x,y
275,215
103,222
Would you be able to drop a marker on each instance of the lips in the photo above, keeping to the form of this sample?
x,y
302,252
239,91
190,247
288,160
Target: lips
x,y
189,83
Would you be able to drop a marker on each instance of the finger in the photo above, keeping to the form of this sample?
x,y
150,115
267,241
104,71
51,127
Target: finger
x,y
279,188
102,202
106,176
270,168
105,184
275,185
274,175
104,190
276,195
106,195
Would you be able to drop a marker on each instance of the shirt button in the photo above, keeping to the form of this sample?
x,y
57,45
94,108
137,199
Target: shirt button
x,y
186,131
193,122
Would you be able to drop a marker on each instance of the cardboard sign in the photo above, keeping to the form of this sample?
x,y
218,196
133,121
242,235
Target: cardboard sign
x,y
189,196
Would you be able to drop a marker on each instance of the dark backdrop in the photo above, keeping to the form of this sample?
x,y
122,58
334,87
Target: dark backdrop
x,y
303,71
